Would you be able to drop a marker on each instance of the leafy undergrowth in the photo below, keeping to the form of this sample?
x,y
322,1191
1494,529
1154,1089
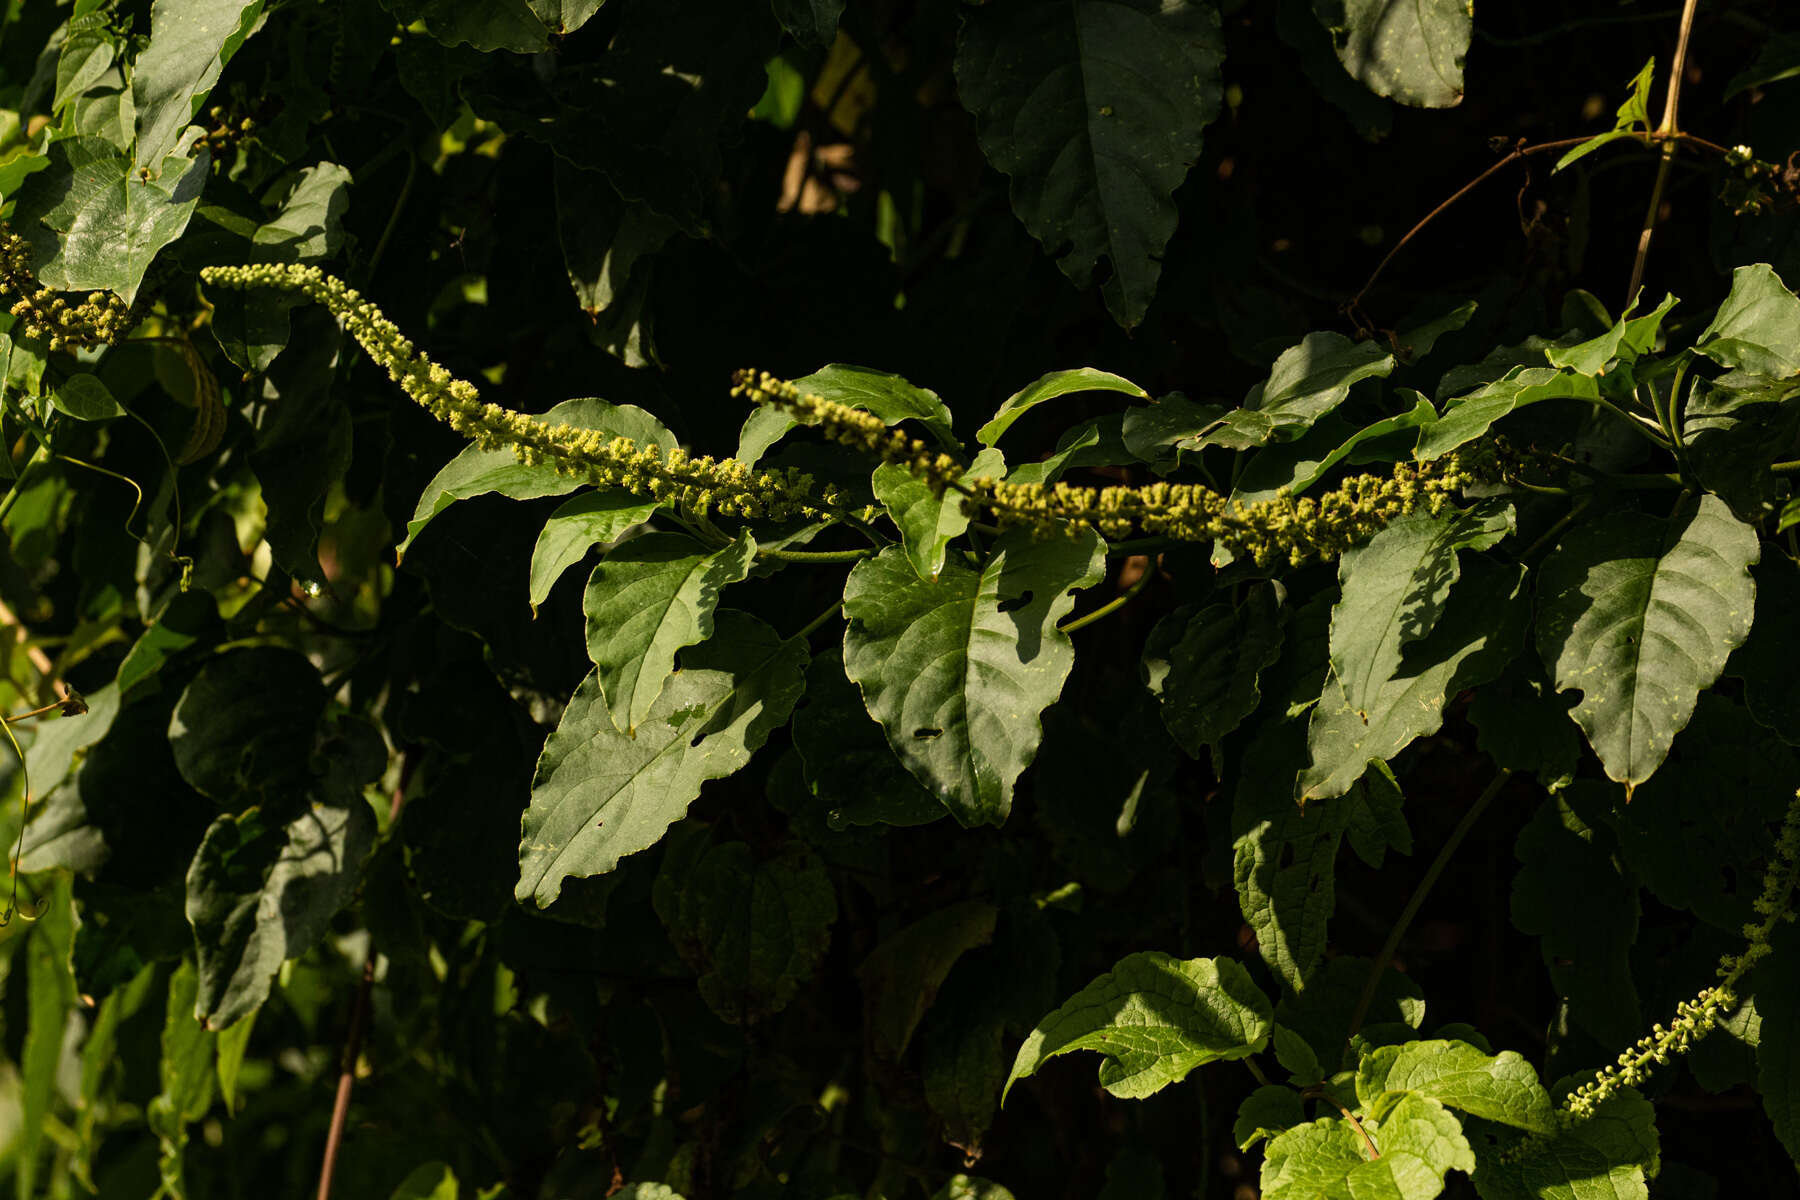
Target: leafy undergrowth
x,y
677,600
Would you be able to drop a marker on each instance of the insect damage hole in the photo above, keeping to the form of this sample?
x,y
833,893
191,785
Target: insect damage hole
x,y
925,735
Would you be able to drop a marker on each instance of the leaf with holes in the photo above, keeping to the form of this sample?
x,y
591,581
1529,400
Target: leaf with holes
x,y
646,600
1640,613
958,670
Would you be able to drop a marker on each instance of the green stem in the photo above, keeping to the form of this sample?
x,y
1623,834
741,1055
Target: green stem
x,y
1419,893
816,556
1549,535
38,456
1150,545
813,625
1111,606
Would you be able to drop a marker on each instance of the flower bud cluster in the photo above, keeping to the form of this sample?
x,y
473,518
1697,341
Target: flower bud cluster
x,y
850,427
703,484
1280,528
1695,1018
100,319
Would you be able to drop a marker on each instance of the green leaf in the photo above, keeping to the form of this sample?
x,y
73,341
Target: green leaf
x,y
1469,416
490,25
1570,866
564,16
1297,465
1267,1111
1157,431
1412,53
1633,117
848,763
1095,112
1478,633
95,223
244,727
186,1072
900,978
1418,1142
958,670
1154,1019
260,892
1778,1049
428,1181
1049,387
1307,381
190,43
85,398
599,794
252,327
591,519
1606,1157
963,1072
1393,588
647,599
887,396
1499,1087
754,931
1204,666
476,472
49,999
1757,328
1640,613
1284,856
1523,725
1297,1058
1099,442
1629,338
607,241
928,519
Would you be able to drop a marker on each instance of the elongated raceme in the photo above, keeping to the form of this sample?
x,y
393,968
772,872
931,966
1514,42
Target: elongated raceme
x,y
705,484
1283,527
1695,1018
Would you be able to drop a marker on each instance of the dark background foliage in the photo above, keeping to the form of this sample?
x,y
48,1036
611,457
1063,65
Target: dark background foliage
x,y
562,1053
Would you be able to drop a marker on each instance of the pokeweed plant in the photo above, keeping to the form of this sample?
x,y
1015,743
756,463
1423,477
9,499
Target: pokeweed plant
x,y
368,845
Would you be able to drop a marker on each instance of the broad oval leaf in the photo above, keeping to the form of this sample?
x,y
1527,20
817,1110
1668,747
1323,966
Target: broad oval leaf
x,y
577,526
1307,381
1095,109
1154,1018
1777,981
1496,1087
1479,631
600,794
1468,417
95,222
1049,387
1203,666
1757,327
1418,1143
190,43
646,600
1608,1156
1640,614
958,670
928,519
1411,52
265,884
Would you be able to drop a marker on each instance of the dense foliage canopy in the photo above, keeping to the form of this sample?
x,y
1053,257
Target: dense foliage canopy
x,y
679,598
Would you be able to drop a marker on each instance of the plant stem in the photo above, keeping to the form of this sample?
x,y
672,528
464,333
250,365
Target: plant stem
x,y
816,556
359,1023
1668,131
1111,606
813,625
1549,535
1419,893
